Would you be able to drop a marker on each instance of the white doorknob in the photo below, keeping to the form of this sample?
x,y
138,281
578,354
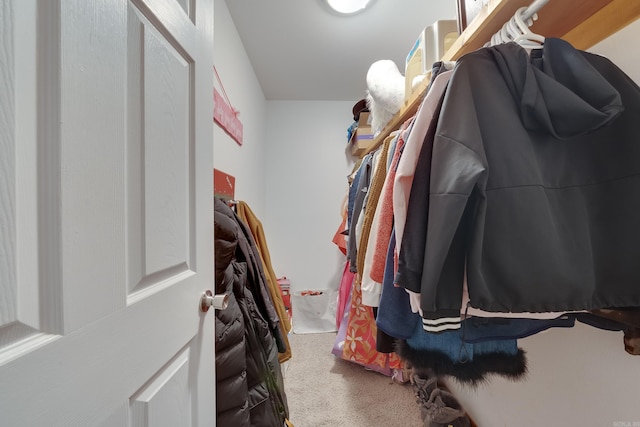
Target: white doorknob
x,y
218,302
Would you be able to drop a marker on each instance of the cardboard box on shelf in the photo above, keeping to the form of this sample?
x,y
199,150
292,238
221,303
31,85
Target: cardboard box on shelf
x,y
362,137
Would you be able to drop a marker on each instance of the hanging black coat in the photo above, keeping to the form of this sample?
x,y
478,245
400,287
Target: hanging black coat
x,y
534,187
249,388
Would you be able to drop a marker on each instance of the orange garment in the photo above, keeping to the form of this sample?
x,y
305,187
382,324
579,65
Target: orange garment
x,y
246,214
375,188
385,223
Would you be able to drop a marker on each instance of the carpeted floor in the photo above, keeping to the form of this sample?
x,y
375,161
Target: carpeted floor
x,y
326,391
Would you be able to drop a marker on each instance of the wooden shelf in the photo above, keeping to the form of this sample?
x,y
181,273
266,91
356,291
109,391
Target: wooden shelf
x,y
582,25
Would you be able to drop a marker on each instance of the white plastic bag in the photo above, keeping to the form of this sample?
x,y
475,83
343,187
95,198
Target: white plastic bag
x,y
314,311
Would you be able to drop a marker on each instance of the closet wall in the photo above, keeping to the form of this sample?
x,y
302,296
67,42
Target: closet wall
x,y
293,169
306,179
619,48
246,163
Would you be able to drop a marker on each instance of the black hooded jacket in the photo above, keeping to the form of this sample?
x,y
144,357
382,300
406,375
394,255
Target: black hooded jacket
x,y
534,185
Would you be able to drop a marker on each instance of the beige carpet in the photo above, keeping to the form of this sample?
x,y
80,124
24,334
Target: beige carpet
x,y
326,391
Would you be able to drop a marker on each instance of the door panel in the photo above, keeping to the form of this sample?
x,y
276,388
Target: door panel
x,y
188,7
20,303
161,143
79,379
106,213
91,144
119,417
165,401
8,256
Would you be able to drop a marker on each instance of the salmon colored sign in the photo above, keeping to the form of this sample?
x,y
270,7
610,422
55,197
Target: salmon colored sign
x,y
224,185
226,117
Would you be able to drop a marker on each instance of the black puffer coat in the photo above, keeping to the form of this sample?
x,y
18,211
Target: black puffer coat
x,y
249,389
232,392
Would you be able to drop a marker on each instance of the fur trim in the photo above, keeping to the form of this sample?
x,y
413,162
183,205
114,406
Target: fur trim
x,y
473,372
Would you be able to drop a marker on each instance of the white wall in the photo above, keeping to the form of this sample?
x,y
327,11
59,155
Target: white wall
x,y
577,377
291,169
246,163
306,177
622,49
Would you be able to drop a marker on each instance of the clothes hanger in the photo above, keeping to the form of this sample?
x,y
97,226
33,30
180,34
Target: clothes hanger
x,y
517,29
527,38
510,31
506,34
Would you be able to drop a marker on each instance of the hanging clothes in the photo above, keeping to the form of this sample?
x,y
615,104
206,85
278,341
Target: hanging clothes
x,y
382,224
415,165
538,192
247,216
514,212
365,257
356,338
424,129
249,381
357,195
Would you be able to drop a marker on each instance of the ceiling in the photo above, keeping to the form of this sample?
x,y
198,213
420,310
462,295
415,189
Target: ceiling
x,y
302,51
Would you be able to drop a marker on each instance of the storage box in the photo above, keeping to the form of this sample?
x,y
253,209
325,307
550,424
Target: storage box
x,y
362,137
430,46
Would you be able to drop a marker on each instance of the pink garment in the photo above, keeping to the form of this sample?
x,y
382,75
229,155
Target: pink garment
x,y
343,293
406,169
409,159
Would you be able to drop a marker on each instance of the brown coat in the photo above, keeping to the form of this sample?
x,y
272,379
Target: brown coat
x,y
248,217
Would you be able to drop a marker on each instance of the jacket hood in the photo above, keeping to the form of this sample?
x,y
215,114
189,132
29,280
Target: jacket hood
x,y
558,90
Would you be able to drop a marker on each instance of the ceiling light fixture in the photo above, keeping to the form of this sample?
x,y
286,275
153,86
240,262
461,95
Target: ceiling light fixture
x,y
348,7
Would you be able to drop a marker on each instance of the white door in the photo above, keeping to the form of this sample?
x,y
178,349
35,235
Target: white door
x,y
106,213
